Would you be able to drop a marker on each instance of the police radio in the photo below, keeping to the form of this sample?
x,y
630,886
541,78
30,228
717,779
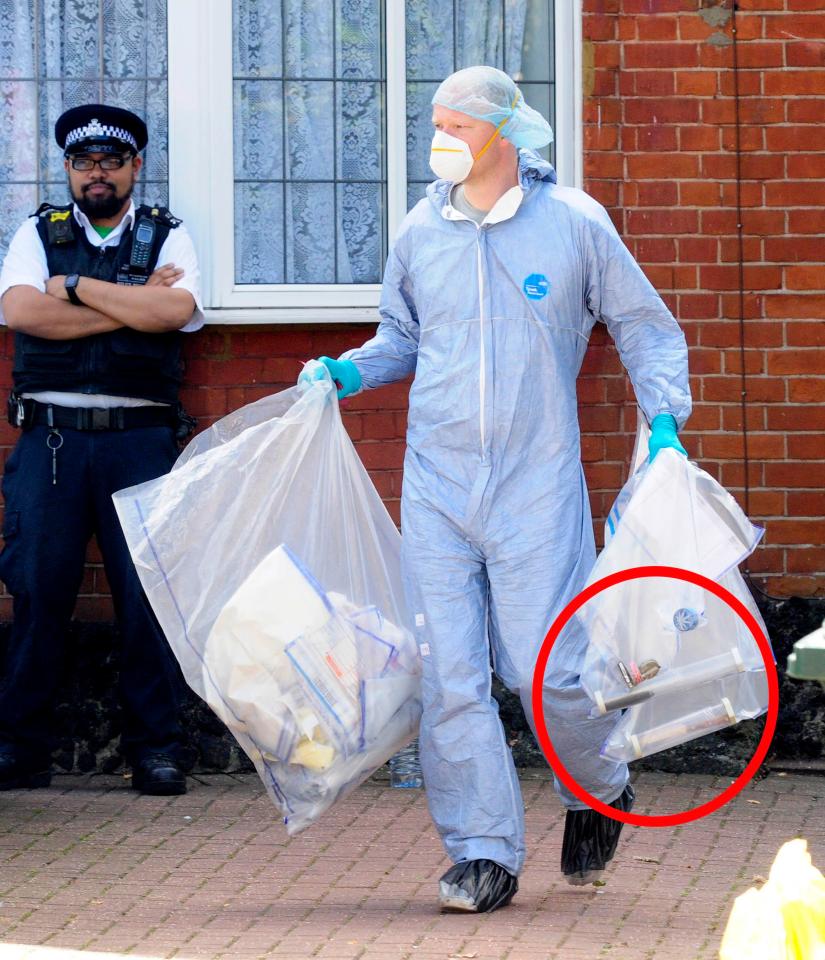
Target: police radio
x,y
143,239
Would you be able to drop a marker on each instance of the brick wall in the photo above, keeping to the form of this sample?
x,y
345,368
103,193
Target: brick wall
x,y
659,153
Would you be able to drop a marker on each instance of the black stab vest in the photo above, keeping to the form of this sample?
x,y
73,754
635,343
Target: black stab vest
x,y
124,362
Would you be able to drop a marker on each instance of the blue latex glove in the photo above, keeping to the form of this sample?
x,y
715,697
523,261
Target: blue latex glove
x,y
663,434
344,373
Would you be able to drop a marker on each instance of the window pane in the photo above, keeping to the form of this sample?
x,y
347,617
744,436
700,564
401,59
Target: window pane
x,y
52,58
514,35
309,125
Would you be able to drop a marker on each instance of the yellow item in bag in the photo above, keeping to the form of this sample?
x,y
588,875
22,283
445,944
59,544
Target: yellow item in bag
x,y
785,919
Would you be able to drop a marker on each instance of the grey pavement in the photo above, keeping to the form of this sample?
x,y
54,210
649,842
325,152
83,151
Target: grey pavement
x,y
90,867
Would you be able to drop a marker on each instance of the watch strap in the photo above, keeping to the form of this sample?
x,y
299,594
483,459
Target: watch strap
x,y
70,283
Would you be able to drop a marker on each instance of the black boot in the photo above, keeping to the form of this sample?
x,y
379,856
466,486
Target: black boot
x,y
476,886
16,774
158,775
590,841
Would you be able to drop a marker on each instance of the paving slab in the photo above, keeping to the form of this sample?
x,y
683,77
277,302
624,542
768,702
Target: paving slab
x,y
90,870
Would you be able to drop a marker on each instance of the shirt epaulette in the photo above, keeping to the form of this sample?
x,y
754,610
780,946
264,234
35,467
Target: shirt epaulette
x,y
44,209
161,214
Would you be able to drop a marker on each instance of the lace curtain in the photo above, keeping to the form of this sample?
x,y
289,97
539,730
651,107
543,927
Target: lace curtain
x,y
56,54
309,88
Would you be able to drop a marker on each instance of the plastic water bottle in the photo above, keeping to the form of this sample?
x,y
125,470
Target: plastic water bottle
x,y
405,768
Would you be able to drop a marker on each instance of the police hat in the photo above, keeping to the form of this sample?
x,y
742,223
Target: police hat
x,y
97,128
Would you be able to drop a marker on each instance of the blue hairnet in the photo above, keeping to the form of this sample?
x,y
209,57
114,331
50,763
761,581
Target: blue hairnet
x,y
489,94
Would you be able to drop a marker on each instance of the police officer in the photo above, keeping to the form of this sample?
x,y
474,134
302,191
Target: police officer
x,y
98,293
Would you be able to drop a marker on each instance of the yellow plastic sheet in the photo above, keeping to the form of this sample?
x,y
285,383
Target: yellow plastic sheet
x,y
785,919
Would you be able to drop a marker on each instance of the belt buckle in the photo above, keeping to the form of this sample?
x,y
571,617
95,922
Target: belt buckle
x,y
99,418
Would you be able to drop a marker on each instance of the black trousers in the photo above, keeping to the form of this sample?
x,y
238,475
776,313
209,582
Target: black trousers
x,y
47,527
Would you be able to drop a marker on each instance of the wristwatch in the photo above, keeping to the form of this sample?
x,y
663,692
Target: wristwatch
x,y
70,283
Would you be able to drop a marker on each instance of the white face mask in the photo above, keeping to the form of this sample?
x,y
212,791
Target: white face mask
x,y
450,158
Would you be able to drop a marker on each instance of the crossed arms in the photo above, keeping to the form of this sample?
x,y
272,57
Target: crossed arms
x,y
152,308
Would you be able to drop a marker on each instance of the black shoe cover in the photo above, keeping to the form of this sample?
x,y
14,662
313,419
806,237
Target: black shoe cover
x,y
476,886
590,841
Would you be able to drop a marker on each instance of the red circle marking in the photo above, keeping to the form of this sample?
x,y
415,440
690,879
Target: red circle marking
x,y
696,813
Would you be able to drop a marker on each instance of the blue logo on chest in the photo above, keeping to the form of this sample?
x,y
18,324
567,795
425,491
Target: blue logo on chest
x,y
536,286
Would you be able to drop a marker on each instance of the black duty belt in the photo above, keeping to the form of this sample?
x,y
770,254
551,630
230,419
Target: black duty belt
x,y
96,418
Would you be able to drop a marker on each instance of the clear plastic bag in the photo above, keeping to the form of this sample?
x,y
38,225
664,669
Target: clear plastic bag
x,y
674,658
274,569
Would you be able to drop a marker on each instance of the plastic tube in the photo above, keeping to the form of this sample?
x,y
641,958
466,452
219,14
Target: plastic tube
x,y
671,734
680,678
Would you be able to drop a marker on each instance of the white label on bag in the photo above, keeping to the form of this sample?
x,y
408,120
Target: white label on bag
x,y
425,649
419,619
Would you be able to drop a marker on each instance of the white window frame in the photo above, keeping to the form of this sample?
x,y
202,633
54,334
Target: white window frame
x,y
201,172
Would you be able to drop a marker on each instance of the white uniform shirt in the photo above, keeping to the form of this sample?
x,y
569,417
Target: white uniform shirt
x,y
25,264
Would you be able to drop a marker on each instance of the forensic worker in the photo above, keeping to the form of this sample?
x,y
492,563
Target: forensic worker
x,y
491,290
97,293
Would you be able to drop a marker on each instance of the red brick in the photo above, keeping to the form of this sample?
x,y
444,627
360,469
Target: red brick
x,y
751,140
807,503
754,415
762,166
805,221
795,193
699,83
655,166
805,54
804,111
768,503
669,221
718,111
811,27
804,446
797,307
809,474
604,137
718,222
749,194
595,27
794,83
751,249
807,164
754,361
699,138
802,334
719,334
798,417
646,83
726,277
763,222
806,560
658,137
759,334
804,278
698,249
788,139
652,194
655,112
796,531
604,165
658,250
694,28
667,55
698,306
386,455
698,193
657,28
759,56
808,390
718,167
705,416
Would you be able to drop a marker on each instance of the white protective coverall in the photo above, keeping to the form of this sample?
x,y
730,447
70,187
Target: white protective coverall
x,y
494,321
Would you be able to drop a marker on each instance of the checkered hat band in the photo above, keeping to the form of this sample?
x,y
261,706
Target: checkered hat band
x,y
95,130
